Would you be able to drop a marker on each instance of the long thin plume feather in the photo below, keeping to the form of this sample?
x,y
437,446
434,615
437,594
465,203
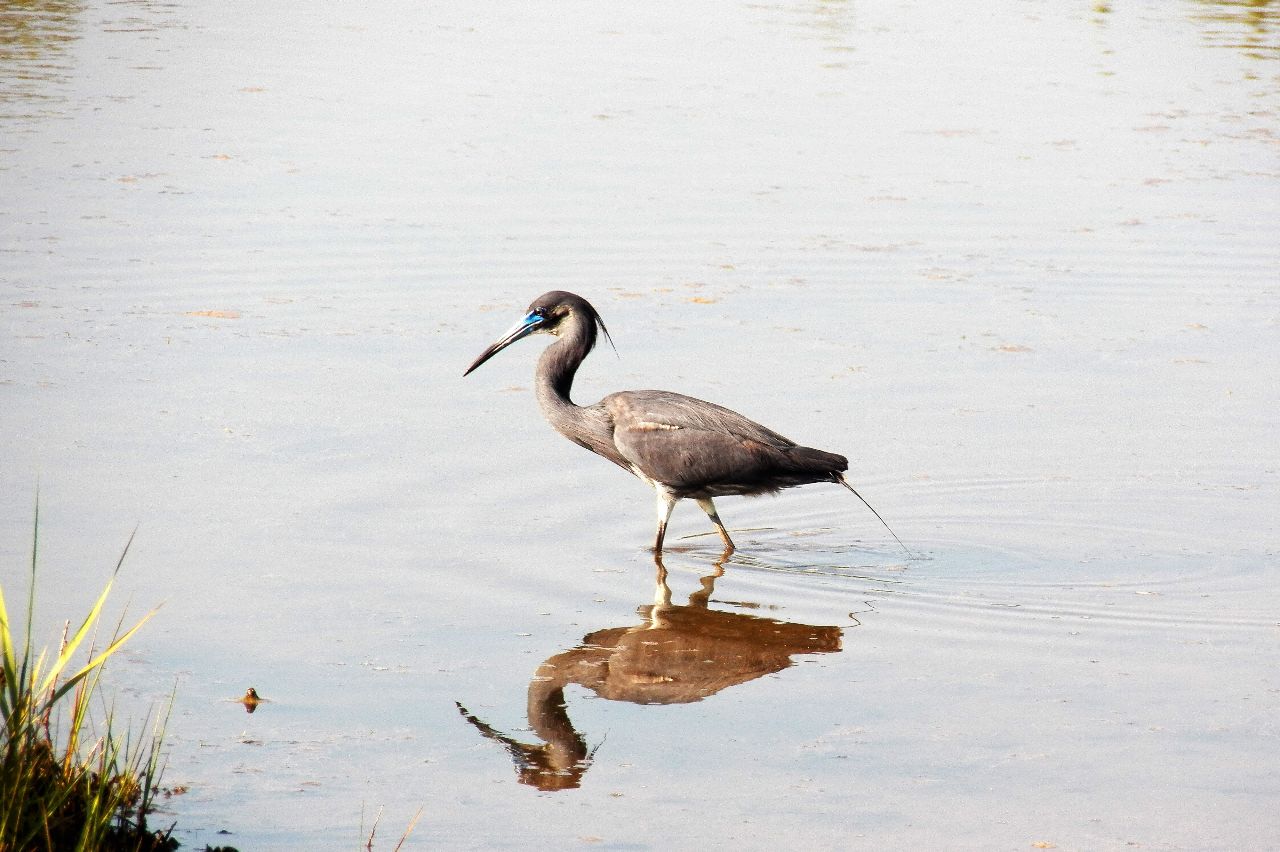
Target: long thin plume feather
x,y
846,484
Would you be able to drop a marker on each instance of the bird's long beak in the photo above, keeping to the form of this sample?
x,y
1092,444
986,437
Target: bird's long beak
x,y
527,326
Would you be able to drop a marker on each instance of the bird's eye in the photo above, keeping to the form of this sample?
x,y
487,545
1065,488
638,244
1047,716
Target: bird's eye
x,y
540,313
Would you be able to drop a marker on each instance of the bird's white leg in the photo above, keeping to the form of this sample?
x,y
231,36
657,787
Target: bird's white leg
x,y
666,503
710,508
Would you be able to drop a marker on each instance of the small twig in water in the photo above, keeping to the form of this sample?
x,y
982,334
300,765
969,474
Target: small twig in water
x,y
413,823
373,830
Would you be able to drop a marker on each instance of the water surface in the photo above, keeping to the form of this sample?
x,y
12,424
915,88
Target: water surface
x,y
1017,263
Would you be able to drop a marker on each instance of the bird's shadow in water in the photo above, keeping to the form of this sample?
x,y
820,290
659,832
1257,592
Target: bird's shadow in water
x,y
678,654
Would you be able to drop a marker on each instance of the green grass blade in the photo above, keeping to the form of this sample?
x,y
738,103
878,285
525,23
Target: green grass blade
x,y
35,549
101,658
9,690
69,649
55,672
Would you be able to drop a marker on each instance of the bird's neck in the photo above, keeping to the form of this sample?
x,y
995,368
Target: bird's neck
x,y
556,368
588,426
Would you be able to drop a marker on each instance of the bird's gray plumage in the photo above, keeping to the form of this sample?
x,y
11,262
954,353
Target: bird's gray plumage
x,y
685,448
701,450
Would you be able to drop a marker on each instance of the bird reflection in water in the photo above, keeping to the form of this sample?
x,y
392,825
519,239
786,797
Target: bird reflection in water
x,y
679,654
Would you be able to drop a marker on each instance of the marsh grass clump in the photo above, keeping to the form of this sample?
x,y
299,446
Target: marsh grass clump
x,y
66,781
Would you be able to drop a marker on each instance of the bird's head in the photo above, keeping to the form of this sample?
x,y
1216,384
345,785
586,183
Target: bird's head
x,y
555,313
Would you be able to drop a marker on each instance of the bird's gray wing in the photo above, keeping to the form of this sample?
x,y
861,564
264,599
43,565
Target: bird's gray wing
x,y
686,412
696,448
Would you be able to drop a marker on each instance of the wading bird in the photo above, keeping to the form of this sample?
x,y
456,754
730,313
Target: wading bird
x,y
682,447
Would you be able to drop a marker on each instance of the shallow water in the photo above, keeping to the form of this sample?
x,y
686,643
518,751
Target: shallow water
x,y
1018,264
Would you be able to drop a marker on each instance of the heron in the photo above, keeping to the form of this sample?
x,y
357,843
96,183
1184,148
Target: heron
x,y
682,447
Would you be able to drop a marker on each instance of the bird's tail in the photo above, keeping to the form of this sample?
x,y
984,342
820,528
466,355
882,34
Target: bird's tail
x,y
839,477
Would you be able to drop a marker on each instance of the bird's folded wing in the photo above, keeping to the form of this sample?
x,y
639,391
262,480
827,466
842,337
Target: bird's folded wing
x,y
697,448
658,410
